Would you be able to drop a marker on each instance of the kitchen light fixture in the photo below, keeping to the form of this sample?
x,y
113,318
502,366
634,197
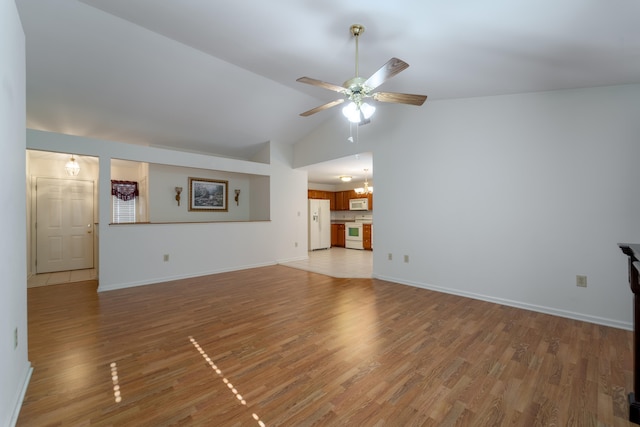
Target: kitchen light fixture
x,y
366,189
72,167
178,191
345,178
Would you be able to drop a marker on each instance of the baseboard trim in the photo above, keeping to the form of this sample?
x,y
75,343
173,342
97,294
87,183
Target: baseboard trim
x,y
517,304
153,281
23,393
300,258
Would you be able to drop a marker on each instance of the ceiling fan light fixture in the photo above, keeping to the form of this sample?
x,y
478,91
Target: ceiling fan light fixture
x,y
367,110
358,114
351,112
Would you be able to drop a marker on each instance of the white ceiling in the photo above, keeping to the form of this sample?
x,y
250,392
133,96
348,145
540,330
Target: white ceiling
x,y
219,77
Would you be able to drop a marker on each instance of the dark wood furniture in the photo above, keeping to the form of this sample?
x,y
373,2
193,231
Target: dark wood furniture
x,y
633,252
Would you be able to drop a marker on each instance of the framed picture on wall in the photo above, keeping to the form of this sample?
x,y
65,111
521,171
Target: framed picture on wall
x,y
208,195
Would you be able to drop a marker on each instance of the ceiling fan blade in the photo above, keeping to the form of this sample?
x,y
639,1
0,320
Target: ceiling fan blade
x,y
399,98
388,70
322,107
320,83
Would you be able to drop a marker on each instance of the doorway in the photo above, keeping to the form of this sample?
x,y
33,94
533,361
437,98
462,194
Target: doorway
x,y
64,225
70,204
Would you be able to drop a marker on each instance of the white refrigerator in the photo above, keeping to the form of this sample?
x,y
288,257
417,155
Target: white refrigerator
x,y
319,224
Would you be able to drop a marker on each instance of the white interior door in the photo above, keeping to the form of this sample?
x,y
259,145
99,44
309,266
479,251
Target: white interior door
x,y
64,225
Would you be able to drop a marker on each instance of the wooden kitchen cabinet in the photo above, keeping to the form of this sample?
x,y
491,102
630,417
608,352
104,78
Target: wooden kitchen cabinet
x,y
341,236
342,199
339,202
337,235
348,195
316,194
366,237
323,195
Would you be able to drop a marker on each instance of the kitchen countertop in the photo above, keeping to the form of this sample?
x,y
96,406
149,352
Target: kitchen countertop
x,y
346,221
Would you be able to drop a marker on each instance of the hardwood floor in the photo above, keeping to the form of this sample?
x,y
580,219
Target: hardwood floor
x,y
276,346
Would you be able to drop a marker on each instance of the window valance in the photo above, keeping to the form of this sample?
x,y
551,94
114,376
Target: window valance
x,y
124,190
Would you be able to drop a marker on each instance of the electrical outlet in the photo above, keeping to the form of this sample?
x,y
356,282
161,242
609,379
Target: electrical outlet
x,y
390,257
406,258
15,338
581,281
296,244
166,257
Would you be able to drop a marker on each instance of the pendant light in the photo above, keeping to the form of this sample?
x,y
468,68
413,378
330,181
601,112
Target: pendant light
x,y
72,167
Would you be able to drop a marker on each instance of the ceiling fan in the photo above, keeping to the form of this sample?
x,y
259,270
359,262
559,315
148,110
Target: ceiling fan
x,y
357,89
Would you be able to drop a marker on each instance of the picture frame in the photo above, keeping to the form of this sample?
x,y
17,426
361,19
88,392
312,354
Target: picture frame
x,y
208,195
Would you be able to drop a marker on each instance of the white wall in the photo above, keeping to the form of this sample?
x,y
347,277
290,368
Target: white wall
x,y
258,197
288,206
132,254
507,198
15,368
163,179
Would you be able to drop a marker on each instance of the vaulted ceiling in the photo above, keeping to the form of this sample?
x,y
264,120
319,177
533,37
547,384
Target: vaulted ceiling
x,y
220,77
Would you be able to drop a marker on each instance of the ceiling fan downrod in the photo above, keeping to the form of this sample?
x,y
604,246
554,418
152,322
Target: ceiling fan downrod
x,y
356,30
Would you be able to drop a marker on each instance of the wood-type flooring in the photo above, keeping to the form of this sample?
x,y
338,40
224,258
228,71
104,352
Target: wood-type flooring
x,y
276,346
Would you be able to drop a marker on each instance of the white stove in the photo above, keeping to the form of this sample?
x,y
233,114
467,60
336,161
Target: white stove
x,y
364,219
353,231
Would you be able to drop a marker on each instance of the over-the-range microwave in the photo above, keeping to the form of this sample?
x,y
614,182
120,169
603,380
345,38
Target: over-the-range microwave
x,y
358,204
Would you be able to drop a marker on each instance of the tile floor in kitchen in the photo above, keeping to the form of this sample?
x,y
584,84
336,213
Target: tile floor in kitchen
x,y
337,262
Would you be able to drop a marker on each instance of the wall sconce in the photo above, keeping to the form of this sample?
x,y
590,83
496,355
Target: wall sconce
x,y
237,190
178,191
